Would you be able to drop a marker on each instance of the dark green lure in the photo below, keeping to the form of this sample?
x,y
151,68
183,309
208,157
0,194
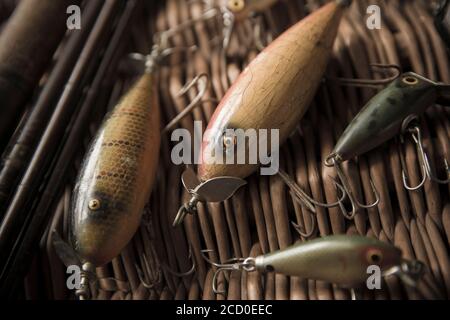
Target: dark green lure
x,y
383,116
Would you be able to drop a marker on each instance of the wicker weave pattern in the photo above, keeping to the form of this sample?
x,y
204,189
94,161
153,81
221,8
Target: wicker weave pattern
x,y
258,218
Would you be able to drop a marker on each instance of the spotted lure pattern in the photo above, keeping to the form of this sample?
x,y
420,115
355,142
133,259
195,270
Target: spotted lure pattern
x,y
117,176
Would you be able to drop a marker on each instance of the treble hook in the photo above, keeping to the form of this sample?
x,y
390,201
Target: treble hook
x,y
409,271
305,199
203,83
427,172
246,264
370,83
332,161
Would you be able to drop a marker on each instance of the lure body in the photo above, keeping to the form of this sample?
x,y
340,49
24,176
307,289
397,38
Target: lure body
x,y
338,259
242,9
382,117
117,176
275,90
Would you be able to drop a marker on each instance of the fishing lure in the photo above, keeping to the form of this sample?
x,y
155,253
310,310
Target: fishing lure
x,y
118,173
338,259
273,92
392,111
115,182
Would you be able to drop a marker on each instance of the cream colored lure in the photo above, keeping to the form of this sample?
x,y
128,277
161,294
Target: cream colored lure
x,y
117,176
275,90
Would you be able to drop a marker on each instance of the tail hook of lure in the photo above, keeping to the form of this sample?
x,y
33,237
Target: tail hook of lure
x,y
333,161
410,126
304,198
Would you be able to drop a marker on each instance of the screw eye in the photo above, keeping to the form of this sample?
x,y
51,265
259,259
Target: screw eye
x,y
410,80
229,141
94,204
236,5
374,256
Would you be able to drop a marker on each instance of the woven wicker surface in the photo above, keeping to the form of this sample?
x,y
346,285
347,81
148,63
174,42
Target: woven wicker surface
x,y
258,218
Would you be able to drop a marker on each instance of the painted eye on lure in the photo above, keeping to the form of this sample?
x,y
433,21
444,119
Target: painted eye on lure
x,y
374,256
94,204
